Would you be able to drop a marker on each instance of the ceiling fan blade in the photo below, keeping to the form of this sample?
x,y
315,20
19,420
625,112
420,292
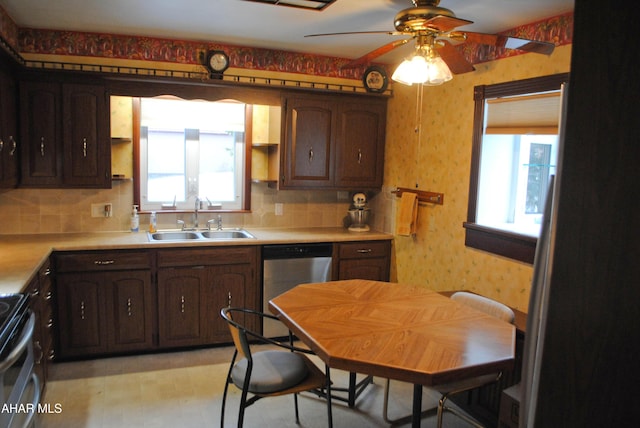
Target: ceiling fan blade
x,y
444,23
391,33
508,42
368,57
457,63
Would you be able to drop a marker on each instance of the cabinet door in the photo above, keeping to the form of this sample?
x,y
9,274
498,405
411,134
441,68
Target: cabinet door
x,y
229,286
364,260
130,310
40,134
360,144
8,127
81,315
307,158
374,269
87,147
181,306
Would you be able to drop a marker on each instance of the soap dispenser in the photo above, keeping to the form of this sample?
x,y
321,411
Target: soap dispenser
x,y
153,225
135,219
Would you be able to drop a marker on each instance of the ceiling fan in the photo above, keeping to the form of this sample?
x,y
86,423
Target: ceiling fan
x,y
432,27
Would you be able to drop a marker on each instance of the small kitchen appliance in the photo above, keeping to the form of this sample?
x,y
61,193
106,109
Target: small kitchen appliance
x,y
359,213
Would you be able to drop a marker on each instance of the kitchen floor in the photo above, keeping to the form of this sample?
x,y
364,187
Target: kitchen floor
x,y
184,389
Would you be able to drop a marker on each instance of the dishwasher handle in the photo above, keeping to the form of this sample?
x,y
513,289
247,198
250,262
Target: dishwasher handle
x,y
286,251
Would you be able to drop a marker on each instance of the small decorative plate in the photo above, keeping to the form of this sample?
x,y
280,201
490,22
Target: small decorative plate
x,y
375,79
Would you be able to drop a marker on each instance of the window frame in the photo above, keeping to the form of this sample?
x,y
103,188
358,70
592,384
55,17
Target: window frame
x,y
246,201
512,245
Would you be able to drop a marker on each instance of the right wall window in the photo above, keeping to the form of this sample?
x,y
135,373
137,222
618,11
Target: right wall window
x,y
515,148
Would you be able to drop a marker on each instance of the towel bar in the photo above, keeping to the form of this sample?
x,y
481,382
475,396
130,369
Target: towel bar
x,y
423,195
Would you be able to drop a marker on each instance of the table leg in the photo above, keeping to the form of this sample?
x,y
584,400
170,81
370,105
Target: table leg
x,y
328,397
417,406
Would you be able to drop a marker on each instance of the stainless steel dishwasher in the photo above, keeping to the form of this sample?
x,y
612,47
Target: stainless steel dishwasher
x,y
285,266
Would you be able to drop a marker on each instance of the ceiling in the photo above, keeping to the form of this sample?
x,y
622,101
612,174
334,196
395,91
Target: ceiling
x,y
245,23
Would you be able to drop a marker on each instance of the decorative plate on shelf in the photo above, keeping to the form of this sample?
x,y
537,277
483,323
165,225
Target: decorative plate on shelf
x,y
375,79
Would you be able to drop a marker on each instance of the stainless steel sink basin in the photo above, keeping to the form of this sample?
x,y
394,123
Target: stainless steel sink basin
x,y
174,236
201,235
227,234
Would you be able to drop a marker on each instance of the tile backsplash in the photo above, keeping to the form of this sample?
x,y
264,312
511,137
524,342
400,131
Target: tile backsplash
x,y
26,211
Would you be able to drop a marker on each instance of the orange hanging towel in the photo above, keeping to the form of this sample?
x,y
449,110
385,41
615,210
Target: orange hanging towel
x,y
407,214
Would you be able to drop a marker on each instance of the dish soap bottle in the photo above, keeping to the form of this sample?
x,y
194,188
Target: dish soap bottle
x,y
153,225
135,219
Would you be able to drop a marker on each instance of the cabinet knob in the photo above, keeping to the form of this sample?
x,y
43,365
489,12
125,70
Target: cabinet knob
x,y
311,155
82,310
359,156
84,147
42,146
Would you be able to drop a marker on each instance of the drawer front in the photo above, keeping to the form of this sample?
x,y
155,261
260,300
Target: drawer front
x,y
102,260
207,256
364,249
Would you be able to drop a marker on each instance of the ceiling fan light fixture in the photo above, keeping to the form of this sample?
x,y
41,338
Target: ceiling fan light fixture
x,y
428,69
438,73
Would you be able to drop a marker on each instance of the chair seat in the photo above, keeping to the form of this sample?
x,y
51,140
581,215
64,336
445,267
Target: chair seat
x,y
272,371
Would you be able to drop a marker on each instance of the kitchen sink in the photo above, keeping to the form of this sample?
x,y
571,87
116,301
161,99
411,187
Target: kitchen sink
x,y
201,235
227,234
173,236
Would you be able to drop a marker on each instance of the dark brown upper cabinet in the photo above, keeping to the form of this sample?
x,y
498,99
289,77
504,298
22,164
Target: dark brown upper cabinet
x,y
333,142
8,131
65,134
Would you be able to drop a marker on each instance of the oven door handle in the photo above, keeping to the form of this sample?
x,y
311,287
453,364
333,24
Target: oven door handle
x,y
34,402
25,338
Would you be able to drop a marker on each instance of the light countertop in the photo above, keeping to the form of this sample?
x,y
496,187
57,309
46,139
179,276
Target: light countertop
x,y
22,255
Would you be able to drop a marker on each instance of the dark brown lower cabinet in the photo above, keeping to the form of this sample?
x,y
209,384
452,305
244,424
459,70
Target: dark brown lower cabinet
x,y
363,260
105,303
103,313
43,336
195,284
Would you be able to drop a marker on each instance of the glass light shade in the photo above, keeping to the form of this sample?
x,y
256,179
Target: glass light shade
x,y
431,70
438,72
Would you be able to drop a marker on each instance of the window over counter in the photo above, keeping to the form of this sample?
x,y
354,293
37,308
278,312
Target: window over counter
x,y
192,150
515,151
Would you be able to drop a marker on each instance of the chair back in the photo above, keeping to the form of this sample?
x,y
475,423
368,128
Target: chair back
x,y
238,332
486,305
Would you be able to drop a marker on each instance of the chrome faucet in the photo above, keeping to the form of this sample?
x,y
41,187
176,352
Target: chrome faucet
x,y
195,213
219,222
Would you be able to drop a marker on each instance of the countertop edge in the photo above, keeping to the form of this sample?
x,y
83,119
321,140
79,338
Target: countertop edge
x,y
23,255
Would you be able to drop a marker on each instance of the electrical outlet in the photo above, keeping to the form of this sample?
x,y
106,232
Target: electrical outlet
x,y
103,209
279,209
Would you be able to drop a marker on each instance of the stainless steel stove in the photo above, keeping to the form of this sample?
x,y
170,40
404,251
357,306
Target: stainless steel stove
x,y
13,308
19,385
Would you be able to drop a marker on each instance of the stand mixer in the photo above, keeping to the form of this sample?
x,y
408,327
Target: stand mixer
x,y
359,213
